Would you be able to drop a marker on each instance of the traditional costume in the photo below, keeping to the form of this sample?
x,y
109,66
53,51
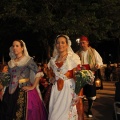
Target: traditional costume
x,y
18,104
62,94
89,59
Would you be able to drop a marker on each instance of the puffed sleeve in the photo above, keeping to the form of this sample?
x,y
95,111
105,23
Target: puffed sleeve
x,y
39,74
33,70
33,66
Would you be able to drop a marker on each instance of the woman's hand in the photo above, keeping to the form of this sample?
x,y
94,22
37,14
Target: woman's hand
x,y
27,88
76,100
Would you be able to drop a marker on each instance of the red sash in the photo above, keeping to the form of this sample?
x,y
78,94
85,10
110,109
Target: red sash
x,y
86,67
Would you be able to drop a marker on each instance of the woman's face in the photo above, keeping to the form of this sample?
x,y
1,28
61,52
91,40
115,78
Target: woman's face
x,y
5,69
17,49
61,44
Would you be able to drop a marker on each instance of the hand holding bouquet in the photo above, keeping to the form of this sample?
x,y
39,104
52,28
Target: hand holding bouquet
x,y
83,77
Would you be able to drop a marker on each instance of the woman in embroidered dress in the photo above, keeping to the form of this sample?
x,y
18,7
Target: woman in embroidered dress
x,y
62,65
21,100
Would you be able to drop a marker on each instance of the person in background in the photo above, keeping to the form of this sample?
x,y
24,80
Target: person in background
x,y
43,82
45,70
46,78
62,67
47,86
118,71
4,68
1,91
108,72
41,87
117,91
3,83
90,60
21,100
117,97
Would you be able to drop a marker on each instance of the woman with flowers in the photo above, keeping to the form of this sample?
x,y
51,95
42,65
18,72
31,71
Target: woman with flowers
x,y
21,100
62,66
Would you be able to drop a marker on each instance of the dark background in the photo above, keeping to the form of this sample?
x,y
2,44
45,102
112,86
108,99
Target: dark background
x,y
38,23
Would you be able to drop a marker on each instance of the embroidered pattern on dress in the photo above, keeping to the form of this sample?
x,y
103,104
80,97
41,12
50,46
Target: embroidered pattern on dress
x,y
72,115
21,103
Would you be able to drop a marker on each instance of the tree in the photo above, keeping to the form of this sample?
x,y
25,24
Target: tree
x,y
41,21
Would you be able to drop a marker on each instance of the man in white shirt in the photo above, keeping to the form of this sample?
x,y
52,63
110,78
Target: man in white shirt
x,y
90,60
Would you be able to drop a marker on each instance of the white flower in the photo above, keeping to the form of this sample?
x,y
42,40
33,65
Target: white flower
x,y
83,77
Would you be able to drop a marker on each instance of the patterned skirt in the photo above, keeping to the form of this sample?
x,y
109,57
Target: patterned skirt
x,y
23,105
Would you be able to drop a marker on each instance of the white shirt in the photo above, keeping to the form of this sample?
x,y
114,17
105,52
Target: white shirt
x,y
98,58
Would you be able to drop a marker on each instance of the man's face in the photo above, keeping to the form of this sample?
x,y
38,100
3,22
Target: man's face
x,y
84,45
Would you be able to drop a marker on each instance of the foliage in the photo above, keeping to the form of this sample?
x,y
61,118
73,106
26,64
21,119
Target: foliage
x,y
4,78
43,20
58,16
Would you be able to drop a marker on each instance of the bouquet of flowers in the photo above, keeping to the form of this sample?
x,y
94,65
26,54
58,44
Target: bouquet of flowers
x,y
4,79
83,77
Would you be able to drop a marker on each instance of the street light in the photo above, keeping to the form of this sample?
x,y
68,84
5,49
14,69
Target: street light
x,y
78,41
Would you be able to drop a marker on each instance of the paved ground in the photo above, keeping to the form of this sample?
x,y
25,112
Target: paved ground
x,y
103,105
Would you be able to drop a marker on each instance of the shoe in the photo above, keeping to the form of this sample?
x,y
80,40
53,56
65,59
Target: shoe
x,y
90,115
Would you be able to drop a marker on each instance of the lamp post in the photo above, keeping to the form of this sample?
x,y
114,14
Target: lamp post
x,y
78,41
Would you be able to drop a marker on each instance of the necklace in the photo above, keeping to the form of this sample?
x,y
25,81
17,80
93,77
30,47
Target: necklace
x,y
17,59
60,58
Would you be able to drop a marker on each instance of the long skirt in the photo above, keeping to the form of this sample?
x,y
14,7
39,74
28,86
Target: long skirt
x,y
60,105
23,105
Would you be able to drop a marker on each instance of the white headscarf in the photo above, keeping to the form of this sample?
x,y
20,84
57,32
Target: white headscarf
x,y
12,55
55,52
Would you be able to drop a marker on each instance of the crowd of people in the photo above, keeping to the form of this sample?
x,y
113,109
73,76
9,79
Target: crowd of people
x,y
46,91
112,72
